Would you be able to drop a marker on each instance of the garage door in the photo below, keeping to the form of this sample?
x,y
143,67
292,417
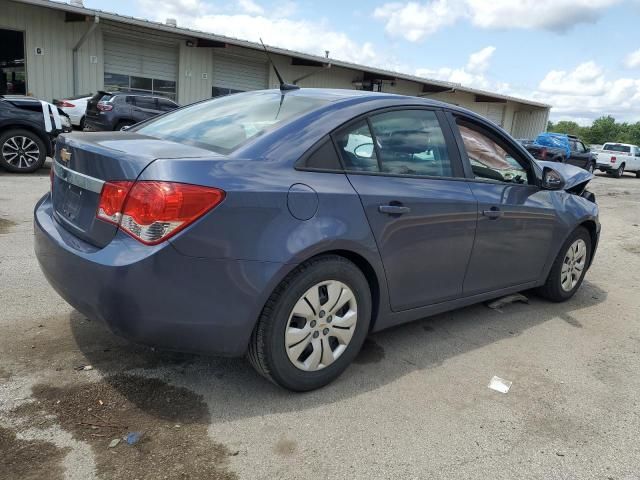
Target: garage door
x,y
140,65
495,113
237,74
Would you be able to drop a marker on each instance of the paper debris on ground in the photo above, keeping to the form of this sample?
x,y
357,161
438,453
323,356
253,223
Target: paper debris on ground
x,y
500,385
501,302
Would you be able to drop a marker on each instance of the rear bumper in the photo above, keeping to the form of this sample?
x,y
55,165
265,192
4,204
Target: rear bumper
x,y
155,295
607,167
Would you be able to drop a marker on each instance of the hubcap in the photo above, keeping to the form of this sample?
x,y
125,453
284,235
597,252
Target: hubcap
x,y
573,265
20,151
314,341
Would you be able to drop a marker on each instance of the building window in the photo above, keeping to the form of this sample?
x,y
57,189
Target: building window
x,y
154,86
12,64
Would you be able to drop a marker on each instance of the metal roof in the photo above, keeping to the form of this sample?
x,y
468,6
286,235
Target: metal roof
x,y
276,50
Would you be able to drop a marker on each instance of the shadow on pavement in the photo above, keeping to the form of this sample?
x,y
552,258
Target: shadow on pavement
x,y
233,390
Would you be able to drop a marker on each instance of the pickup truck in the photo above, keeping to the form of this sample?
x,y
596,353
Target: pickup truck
x,y
558,147
616,158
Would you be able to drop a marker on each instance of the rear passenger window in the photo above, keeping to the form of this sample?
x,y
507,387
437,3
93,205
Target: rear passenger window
x,y
411,142
146,102
403,142
355,144
322,158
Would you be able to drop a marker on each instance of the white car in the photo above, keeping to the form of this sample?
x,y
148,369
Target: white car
x,y
75,107
617,158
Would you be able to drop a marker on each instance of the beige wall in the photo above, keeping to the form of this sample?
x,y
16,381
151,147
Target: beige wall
x,y
50,75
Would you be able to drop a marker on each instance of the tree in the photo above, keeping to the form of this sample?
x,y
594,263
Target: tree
x,y
604,129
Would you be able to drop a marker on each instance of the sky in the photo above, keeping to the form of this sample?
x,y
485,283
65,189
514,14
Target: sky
x,y
581,56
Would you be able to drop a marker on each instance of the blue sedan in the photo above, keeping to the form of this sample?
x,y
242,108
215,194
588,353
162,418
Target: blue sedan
x,y
288,225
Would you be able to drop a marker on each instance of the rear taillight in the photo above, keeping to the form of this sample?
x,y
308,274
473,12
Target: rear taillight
x,y
153,211
105,107
613,159
65,104
112,200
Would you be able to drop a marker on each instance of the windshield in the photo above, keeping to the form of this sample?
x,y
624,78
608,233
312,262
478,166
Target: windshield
x,y
611,147
225,124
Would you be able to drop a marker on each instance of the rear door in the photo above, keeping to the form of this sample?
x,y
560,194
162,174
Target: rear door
x,y
408,174
516,219
144,108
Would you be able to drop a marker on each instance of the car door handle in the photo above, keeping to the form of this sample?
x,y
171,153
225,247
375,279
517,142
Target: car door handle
x,y
493,214
393,209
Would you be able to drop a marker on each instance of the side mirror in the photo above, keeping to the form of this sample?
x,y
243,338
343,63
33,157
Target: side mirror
x,y
364,151
551,179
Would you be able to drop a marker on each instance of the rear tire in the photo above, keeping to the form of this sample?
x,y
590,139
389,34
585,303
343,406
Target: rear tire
x,y
591,168
21,151
619,172
286,324
638,174
81,126
569,267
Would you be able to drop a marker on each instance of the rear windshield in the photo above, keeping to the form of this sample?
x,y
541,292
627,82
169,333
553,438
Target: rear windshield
x,y
226,123
612,147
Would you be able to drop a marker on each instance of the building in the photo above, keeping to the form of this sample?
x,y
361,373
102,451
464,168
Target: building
x,y
56,50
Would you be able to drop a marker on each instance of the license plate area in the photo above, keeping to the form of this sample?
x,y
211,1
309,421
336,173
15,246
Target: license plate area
x,y
71,202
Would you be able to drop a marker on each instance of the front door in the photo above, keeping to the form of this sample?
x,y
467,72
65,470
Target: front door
x,y
580,156
422,213
516,219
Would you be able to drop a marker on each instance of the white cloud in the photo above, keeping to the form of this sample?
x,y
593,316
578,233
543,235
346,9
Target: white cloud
x,y
277,29
586,79
415,20
633,59
472,75
479,61
586,93
250,7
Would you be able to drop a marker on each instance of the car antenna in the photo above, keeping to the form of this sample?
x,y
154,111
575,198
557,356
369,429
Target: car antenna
x,y
284,86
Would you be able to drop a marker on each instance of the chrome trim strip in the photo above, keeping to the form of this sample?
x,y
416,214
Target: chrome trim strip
x,y
78,179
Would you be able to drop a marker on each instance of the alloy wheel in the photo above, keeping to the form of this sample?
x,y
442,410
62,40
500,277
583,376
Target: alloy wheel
x,y
321,325
573,266
20,152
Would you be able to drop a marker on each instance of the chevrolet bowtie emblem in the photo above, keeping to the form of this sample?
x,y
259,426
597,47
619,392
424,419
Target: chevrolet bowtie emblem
x,y
65,155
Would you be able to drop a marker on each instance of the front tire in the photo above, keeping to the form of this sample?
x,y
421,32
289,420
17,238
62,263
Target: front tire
x,y
313,325
21,151
569,268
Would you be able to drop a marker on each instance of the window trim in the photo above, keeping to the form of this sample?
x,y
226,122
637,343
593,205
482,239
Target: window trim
x,y
500,139
457,165
300,163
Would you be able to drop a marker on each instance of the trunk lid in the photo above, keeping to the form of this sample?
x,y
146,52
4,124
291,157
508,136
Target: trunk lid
x,y
84,162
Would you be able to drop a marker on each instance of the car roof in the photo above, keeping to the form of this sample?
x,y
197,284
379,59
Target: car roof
x,y
335,95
